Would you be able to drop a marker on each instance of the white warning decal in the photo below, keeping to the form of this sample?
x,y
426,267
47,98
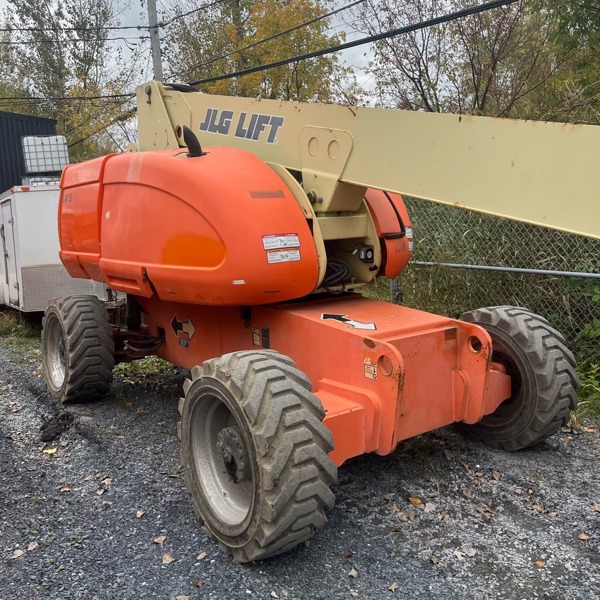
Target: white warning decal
x,y
282,256
283,240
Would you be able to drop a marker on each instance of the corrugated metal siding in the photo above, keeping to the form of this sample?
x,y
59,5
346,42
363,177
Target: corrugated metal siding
x,y
12,128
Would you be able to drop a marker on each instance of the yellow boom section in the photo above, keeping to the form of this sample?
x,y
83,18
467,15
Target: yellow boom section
x,y
542,173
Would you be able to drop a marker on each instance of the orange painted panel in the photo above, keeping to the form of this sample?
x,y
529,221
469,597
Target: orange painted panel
x,y
220,229
383,372
388,210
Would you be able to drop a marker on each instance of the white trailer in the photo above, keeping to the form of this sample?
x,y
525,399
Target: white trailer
x,y
31,273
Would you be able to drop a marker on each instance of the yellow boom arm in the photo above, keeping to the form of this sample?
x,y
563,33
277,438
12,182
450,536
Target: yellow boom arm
x,y
542,173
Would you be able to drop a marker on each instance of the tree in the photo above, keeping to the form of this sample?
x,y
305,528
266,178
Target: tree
x,y
10,84
65,53
229,36
506,62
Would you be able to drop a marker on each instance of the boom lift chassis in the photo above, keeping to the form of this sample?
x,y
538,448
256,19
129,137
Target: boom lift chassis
x,y
283,392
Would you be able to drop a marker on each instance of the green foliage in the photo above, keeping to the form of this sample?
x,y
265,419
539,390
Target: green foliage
x,y
150,366
62,49
206,45
535,59
17,325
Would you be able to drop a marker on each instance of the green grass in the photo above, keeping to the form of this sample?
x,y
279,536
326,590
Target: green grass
x,y
150,366
15,324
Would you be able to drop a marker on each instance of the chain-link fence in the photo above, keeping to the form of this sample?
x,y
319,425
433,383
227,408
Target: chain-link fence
x,y
444,234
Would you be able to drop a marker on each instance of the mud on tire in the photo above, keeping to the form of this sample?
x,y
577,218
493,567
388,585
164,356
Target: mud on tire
x,y
544,381
77,347
255,453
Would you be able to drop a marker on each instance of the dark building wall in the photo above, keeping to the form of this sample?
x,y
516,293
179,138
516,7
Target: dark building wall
x,y
12,128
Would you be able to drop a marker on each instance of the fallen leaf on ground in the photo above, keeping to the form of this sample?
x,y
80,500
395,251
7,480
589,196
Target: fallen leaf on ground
x,y
553,515
348,554
459,555
540,563
352,509
468,494
274,595
584,537
596,508
471,552
50,451
32,546
445,517
409,515
448,454
65,488
415,501
486,515
106,481
198,582
435,559
202,556
167,559
429,507
353,573
566,440
17,554
159,539
393,587
496,475
139,514
389,497
394,509
465,466
354,594
182,597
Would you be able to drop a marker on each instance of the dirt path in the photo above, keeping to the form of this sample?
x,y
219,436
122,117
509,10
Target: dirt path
x,y
100,512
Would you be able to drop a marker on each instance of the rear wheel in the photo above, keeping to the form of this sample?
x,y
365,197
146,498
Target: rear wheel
x,y
544,381
255,453
78,347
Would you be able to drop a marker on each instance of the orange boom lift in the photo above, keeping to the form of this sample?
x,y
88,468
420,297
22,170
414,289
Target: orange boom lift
x,y
242,261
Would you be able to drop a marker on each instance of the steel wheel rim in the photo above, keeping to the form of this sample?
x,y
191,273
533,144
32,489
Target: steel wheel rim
x,y
56,361
230,502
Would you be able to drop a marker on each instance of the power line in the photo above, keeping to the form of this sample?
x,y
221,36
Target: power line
x,y
72,40
191,12
65,98
272,37
61,29
467,12
110,27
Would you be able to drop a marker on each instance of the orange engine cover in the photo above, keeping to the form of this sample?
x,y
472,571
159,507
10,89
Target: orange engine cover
x,y
220,229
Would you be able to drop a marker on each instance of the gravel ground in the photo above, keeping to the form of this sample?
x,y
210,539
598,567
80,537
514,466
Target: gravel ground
x,y
102,511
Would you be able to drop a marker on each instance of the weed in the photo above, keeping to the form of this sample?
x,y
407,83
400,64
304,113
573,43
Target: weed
x,y
589,390
14,324
151,365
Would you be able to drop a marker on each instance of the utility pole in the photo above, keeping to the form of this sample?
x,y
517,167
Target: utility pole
x,y
154,41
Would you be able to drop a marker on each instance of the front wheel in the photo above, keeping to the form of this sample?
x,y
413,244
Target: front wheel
x,y
255,453
77,349
543,378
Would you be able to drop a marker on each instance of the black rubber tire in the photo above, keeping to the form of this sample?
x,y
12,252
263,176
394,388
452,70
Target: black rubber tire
x,y
544,380
285,445
77,349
